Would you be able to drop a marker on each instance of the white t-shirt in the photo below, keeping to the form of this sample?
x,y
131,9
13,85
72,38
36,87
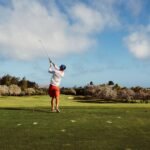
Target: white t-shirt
x,y
57,75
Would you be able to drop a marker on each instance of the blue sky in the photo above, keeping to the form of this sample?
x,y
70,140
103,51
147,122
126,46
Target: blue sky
x,y
98,40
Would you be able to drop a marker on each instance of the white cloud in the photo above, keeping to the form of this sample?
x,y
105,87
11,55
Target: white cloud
x,y
28,21
91,20
138,42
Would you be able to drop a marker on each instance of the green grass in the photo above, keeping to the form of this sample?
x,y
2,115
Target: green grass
x,y
79,126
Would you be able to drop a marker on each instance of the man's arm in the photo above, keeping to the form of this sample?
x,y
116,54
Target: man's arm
x,y
50,68
55,66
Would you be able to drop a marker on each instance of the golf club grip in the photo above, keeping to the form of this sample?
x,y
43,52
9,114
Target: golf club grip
x,y
50,61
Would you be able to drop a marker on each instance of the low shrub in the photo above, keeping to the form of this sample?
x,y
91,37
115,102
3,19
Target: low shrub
x,y
30,91
68,91
4,90
14,90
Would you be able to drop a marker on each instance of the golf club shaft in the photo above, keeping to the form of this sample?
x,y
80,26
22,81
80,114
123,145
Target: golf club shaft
x,y
45,51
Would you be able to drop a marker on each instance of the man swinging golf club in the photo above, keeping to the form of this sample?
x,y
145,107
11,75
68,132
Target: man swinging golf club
x,y
54,91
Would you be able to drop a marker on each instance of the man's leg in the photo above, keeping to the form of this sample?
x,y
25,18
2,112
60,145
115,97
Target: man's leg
x,y
57,104
52,104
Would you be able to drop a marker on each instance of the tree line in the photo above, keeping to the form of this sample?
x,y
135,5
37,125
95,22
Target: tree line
x,y
11,85
110,92
23,83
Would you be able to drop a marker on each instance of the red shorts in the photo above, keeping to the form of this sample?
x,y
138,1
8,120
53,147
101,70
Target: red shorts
x,y
53,91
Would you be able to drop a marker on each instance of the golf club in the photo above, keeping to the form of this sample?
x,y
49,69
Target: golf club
x,y
45,51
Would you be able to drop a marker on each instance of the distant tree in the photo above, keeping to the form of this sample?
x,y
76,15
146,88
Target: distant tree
x,y
32,84
137,88
6,80
117,87
11,85
110,83
91,83
23,84
15,80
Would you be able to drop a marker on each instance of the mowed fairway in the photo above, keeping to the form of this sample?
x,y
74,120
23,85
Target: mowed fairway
x,y
26,123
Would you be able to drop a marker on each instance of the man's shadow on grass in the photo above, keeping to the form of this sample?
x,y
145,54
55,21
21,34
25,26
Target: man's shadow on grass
x,y
44,110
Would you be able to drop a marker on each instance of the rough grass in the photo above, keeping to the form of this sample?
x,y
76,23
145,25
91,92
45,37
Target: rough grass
x,y
27,124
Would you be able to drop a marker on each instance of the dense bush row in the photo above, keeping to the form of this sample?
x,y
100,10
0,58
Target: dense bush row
x,y
22,83
110,92
14,86
15,90
10,85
